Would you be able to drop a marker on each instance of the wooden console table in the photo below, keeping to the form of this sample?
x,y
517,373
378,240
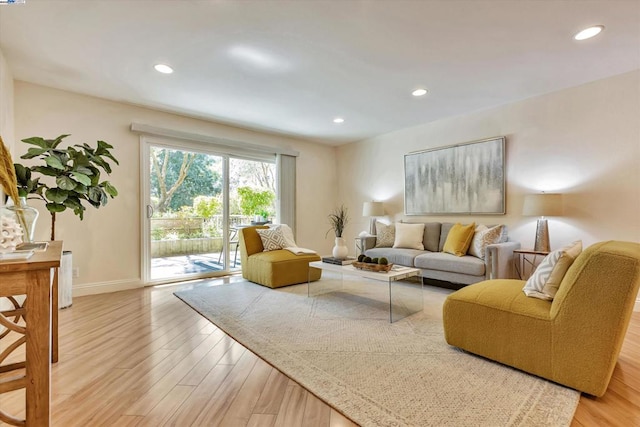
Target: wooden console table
x,y
38,332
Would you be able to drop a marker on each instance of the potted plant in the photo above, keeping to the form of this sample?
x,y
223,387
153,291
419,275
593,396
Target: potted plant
x,y
338,220
75,174
72,179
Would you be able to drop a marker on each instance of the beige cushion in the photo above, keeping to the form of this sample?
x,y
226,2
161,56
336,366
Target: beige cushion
x,y
272,239
544,282
385,235
409,236
568,255
459,239
484,237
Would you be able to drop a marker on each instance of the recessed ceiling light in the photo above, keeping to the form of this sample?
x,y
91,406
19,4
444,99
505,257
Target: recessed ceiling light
x,y
419,92
587,33
338,120
163,68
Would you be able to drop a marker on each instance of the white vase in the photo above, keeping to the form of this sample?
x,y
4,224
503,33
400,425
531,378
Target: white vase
x,y
340,249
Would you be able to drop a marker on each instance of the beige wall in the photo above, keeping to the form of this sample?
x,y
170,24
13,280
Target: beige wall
x,y
6,103
106,245
583,142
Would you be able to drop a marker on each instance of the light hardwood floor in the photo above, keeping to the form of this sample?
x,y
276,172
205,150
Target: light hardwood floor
x,y
144,358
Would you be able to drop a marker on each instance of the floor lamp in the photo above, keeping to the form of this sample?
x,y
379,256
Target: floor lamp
x,y
372,209
542,205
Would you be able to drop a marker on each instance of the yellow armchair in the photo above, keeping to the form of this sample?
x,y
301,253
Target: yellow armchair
x,y
573,340
273,268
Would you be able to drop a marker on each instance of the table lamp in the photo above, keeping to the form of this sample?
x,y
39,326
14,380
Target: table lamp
x,y
372,209
542,205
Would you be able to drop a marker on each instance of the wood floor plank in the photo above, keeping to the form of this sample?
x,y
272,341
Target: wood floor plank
x,y
291,412
216,408
167,406
191,408
241,408
128,421
171,379
273,393
262,420
316,413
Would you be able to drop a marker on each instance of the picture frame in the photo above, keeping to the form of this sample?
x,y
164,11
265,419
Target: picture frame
x,y
461,179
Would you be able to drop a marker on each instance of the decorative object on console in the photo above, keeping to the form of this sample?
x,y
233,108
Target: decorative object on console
x,y
460,179
10,234
25,215
542,205
338,220
373,210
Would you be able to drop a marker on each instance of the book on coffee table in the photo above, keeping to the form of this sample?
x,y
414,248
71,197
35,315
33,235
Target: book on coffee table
x,y
338,261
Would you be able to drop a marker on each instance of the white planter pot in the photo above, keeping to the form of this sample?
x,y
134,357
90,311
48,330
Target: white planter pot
x,y
65,280
340,249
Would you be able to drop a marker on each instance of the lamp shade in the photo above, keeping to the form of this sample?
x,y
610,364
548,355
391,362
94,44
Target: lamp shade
x,y
542,205
372,209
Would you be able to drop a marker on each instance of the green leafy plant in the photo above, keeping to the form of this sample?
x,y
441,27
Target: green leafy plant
x,y
76,171
252,201
338,220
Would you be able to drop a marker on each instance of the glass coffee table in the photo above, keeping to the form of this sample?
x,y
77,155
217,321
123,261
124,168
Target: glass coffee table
x,y
405,298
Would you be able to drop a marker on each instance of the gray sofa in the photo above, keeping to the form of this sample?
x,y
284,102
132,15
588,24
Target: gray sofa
x,y
437,265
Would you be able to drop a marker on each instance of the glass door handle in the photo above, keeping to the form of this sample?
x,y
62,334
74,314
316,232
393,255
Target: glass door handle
x,y
149,211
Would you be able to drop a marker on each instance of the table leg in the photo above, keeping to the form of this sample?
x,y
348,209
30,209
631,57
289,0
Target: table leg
x,y
54,317
38,350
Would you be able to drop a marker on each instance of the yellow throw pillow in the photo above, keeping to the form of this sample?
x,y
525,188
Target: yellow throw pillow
x,y
459,239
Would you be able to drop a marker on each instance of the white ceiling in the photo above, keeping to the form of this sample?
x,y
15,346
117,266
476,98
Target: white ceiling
x,y
290,67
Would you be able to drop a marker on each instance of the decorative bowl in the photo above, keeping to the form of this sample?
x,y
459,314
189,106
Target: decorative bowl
x,y
372,267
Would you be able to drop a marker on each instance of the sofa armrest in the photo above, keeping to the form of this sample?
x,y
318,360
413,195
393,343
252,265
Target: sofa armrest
x,y
498,260
368,243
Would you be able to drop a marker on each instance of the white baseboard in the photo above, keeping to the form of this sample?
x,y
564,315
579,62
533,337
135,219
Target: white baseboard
x,y
105,287
637,306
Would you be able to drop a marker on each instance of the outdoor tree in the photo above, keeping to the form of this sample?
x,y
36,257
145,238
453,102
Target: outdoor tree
x,y
178,177
206,206
256,174
253,202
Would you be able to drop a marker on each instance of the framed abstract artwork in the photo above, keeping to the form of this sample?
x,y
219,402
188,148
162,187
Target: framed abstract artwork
x,y
464,178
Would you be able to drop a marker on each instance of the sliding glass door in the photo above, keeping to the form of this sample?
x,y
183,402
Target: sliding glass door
x,y
195,204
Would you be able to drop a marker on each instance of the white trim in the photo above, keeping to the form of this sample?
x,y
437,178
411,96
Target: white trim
x,y
105,287
144,200
220,142
636,307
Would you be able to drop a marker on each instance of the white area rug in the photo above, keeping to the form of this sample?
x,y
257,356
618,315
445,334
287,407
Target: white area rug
x,y
342,348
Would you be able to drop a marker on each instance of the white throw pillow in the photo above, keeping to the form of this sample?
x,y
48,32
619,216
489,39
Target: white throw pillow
x,y
385,235
272,239
484,237
541,284
287,233
409,236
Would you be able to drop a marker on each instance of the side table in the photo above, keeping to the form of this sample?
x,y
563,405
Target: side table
x,y
361,243
526,261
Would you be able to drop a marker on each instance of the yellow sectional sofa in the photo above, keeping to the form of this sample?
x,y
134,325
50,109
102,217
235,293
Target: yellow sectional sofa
x,y
273,268
573,340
